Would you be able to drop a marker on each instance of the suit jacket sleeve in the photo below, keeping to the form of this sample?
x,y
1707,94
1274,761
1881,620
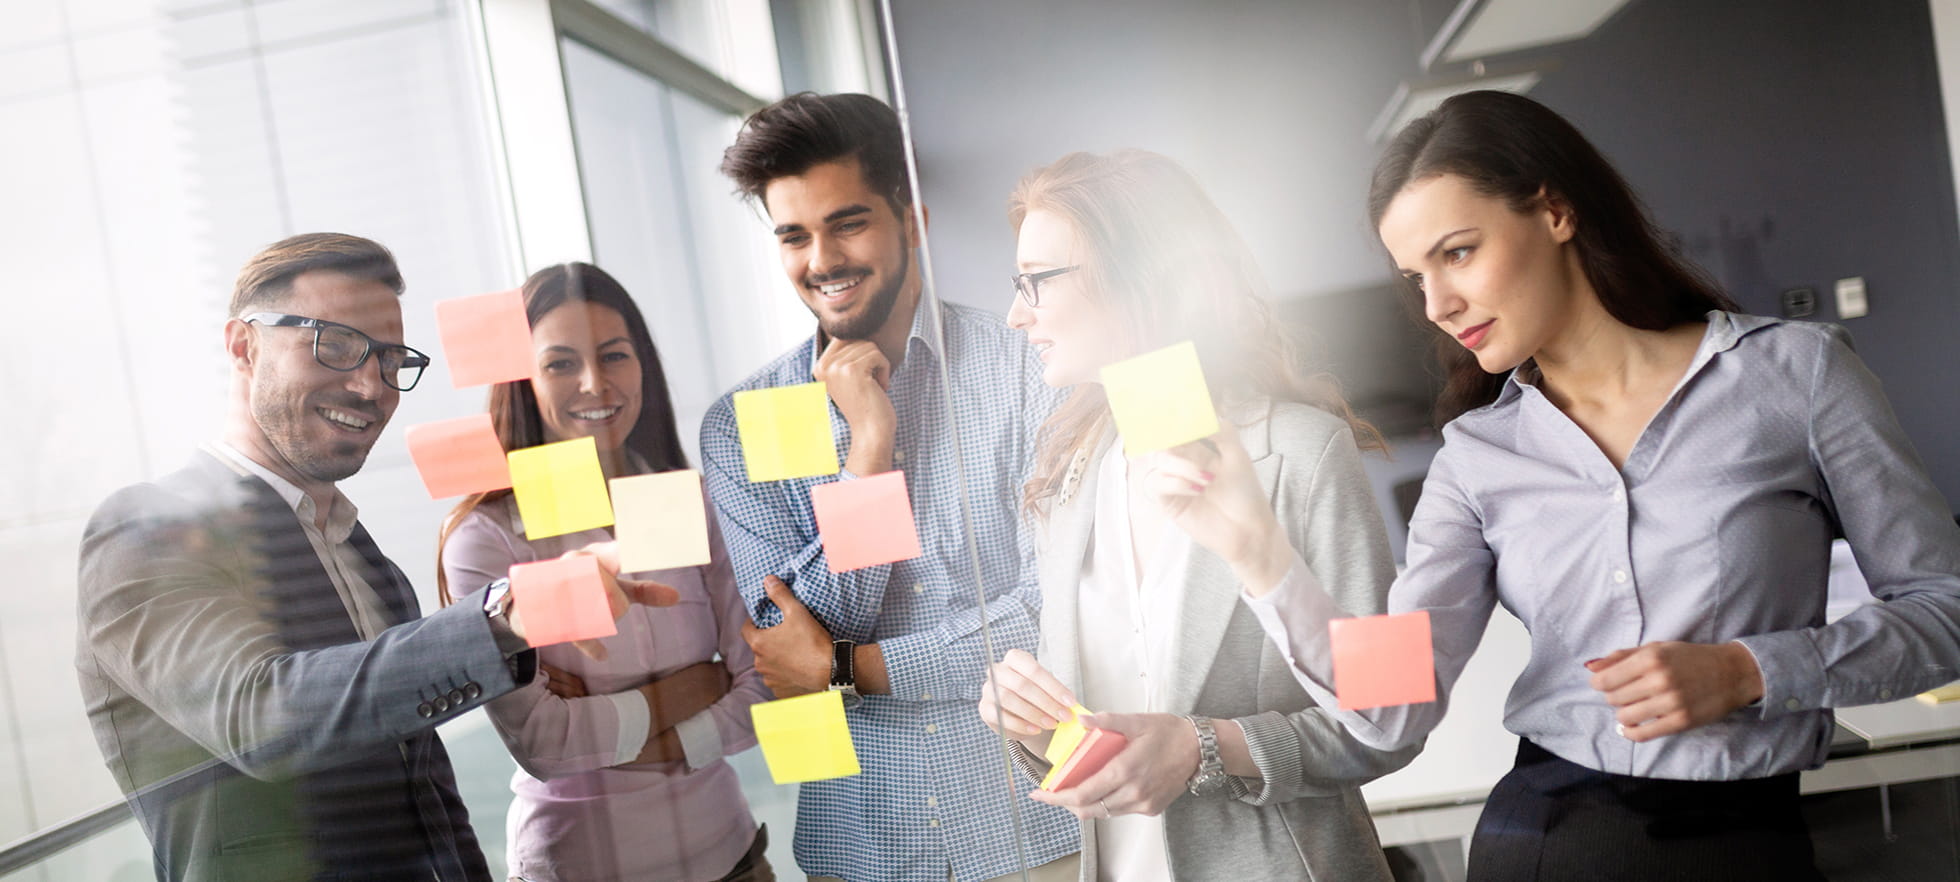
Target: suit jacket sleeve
x,y
1328,510
177,611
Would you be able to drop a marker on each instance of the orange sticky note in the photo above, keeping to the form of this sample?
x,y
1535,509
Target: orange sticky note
x,y
1383,660
485,338
560,488
785,432
561,599
662,521
805,738
458,457
865,522
1159,399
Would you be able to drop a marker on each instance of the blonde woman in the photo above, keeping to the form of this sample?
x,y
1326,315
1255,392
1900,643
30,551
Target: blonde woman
x,y
1230,771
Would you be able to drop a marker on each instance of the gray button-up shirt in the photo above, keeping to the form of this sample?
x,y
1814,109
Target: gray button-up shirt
x,y
1717,528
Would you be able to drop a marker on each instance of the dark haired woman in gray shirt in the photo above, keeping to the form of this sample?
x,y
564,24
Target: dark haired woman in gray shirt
x,y
1650,482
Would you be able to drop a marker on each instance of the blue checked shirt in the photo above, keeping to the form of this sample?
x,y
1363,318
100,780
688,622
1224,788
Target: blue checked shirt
x,y
934,793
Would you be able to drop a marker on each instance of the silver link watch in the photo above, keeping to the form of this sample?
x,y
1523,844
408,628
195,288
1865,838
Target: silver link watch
x,y
1211,780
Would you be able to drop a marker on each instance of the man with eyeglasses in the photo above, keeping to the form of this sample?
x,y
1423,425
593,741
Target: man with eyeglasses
x,y
259,677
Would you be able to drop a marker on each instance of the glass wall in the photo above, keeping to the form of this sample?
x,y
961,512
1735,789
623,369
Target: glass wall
x,y
1152,359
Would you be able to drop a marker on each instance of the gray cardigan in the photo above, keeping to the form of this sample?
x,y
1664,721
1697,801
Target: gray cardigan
x,y
1305,819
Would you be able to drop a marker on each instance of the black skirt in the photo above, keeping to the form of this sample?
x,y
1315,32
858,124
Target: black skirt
x,y
1549,819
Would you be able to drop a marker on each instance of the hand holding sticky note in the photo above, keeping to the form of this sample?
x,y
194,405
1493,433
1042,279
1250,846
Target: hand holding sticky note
x,y
805,738
865,522
459,457
1160,399
485,338
785,432
561,600
560,488
1076,751
1383,660
662,521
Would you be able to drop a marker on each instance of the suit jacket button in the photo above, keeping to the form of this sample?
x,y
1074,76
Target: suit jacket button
x,y
425,710
441,702
456,697
471,690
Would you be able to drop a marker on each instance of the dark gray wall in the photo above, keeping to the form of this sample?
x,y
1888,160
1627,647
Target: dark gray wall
x,y
1791,144
1264,100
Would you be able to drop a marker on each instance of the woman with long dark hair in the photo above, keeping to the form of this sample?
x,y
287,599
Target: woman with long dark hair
x,y
1650,481
1230,771
622,773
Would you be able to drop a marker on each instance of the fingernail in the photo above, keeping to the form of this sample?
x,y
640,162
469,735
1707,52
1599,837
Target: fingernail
x,y
1207,476
1593,661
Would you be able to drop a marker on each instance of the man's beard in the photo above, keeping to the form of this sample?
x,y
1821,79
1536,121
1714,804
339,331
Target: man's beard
x,y
876,310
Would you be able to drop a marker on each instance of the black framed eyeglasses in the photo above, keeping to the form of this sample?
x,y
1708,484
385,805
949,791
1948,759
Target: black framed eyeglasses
x,y
342,348
1029,284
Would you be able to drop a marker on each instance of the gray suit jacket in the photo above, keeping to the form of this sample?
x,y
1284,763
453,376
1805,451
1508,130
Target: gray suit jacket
x,y
255,734
1305,819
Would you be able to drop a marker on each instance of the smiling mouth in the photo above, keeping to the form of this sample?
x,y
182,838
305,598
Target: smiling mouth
x,y
346,421
597,415
1473,336
838,290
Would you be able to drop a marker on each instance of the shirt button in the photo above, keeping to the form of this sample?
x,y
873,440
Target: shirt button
x,y
1885,694
1793,704
1619,575
918,589
933,823
898,456
932,802
926,697
932,728
1618,493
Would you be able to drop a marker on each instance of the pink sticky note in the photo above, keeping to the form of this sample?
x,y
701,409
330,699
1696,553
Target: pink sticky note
x,y
485,338
561,599
865,522
458,457
1383,660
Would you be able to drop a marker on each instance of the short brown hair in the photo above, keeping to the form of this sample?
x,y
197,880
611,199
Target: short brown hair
x,y
268,276
793,135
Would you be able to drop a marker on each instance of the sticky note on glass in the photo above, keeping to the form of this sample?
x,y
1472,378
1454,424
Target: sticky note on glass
x,y
1159,399
662,521
459,457
485,338
1383,660
865,522
805,738
786,432
560,488
561,600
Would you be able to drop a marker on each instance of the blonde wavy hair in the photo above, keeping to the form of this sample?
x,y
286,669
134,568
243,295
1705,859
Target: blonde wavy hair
x,y
1167,263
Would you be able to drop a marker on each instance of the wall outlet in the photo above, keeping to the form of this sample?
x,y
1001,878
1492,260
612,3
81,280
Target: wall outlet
x,y
1851,298
1799,303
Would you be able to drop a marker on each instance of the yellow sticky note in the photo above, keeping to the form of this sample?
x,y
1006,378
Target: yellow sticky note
x,y
805,738
1067,735
663,521
1159,399
786,432
560,488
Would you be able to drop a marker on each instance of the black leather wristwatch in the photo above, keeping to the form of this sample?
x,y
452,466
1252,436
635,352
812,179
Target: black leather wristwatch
x,y
843,672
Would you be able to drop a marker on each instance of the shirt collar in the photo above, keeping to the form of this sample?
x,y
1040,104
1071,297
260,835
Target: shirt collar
x,y
1725,330
341,513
